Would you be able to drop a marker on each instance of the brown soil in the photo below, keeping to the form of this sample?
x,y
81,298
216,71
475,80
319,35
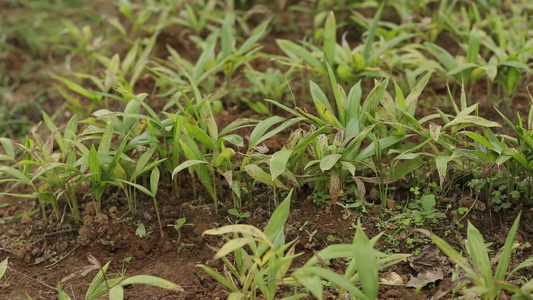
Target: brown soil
x,y
43,253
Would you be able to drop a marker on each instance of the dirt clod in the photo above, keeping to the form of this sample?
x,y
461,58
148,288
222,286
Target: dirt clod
x,y
26,220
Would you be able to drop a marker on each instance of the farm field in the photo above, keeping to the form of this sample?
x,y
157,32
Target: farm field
x,y
313,149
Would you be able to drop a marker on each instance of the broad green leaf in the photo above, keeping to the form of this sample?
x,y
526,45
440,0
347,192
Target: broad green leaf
x,y
261,176
503,262
443,56
78,88
274,229
278,162
323,105
20,176
334,278
339,95
234,139
261,128
116,293
153,281
330,39
472,51
297,52
371,103
372,33
311,281
390,44
186,164
255,36
329,161
200,135
3,267
221,279
224,156
137,186
353,102
412,99
154,180
408,166
239,228
206,55
142,161
471,120
227,36
256,138
365,264
235,244
479,253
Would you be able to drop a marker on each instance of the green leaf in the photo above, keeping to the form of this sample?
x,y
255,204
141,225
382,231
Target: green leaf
x,y
503,262
324,108
20,176
371,103
154,180
200,135
412,99
471,120
353,102
207,54
278,162
3,267
60,294
479,253
227,41
116,293
223,156
141,230
234,245
153,281
261,176
229,284
257,34
443,56
372,32
274,229
234,139
330,39
428,202
261,128
259,134
365,264
330,276
186,164
297,52
78,88
472,51
311,281
142,161
329,161
239,228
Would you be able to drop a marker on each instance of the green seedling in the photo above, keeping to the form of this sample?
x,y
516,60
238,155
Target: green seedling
x,y
240,216
478,266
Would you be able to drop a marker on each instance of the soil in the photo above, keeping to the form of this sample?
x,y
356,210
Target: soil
x,y
42,253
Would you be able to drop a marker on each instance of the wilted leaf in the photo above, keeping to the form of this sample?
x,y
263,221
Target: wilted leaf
x,y
429,266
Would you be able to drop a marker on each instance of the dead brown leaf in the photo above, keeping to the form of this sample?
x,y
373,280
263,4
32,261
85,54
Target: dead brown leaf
x,y
430,266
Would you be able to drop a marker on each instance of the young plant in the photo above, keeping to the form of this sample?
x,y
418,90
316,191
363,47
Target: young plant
x,y
261,258
361,277
478,269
